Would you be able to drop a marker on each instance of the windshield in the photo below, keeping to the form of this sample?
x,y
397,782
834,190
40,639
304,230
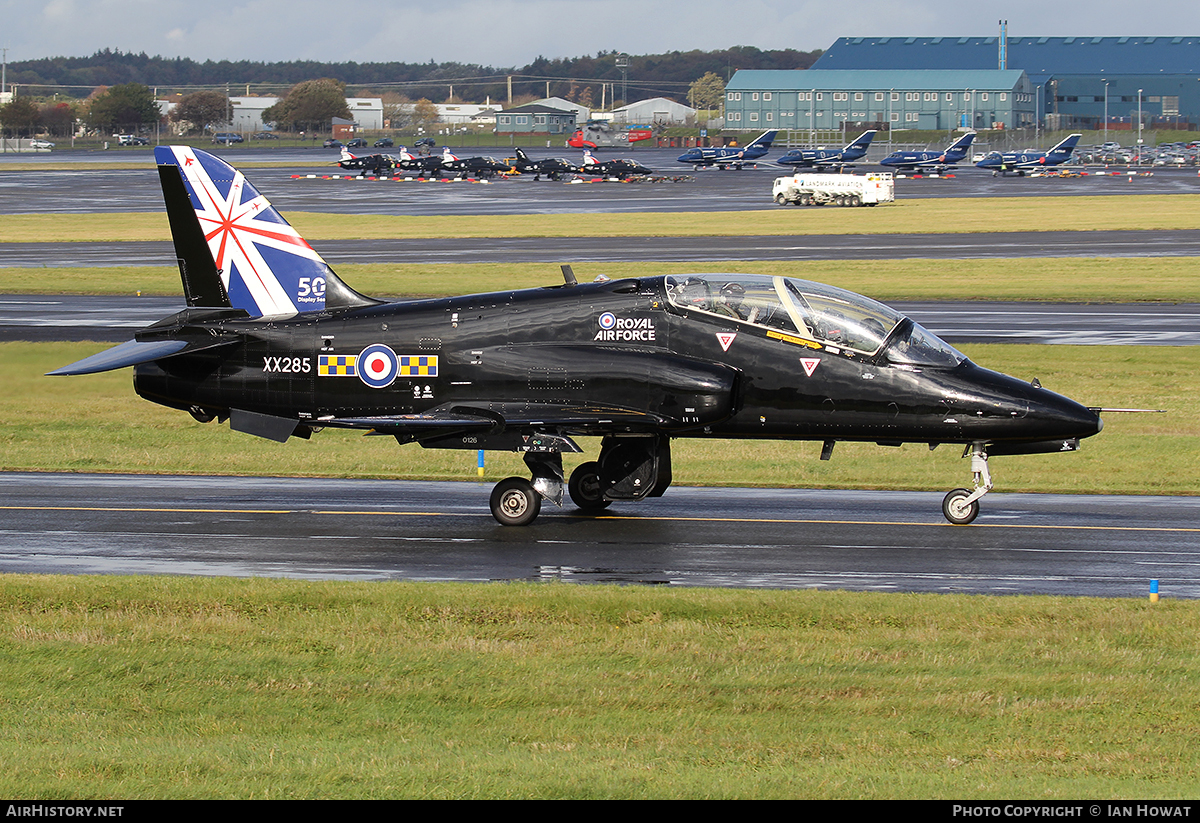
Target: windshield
x,y
813,311
920,347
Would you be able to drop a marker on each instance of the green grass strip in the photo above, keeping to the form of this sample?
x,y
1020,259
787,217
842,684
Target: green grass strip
x,y
96,423
1065,279
912,216
142,687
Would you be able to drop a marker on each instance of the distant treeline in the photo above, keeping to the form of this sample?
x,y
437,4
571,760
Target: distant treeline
x,y
648,75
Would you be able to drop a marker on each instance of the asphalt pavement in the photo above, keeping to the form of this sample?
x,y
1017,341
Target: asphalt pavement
x,y
1062,545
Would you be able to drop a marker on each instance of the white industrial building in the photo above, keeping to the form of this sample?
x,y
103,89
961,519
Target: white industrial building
x,y
655,110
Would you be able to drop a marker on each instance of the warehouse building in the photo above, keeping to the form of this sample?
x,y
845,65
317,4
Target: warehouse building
x,y
1078,82
829,100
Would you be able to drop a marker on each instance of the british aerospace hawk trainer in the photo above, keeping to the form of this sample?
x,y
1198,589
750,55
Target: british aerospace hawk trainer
x,y
274,342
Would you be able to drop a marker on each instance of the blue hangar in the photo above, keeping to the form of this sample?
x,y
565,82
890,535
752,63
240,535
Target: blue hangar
x,y
833,99
1077,81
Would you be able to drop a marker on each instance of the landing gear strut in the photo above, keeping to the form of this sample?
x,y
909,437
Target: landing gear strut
x,y
630,468
961,506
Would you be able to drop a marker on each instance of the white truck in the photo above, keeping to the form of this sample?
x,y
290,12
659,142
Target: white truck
x,y
805,189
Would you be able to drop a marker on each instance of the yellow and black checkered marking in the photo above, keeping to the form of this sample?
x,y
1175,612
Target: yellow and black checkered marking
x,y
423,365
337,365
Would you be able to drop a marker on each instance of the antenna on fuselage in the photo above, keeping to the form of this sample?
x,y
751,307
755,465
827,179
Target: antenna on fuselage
x,y
569,276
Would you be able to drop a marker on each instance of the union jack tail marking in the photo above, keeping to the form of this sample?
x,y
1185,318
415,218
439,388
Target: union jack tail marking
x,y
265,266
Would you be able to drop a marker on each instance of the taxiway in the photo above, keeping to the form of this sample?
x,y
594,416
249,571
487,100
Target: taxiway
x,y
1074,545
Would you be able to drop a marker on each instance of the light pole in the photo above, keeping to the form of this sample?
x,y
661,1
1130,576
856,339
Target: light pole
x,y
812,118
1139,153
1037,117
1105,111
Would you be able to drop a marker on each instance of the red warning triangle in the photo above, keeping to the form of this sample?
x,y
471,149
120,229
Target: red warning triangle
x,y
810,364
725,338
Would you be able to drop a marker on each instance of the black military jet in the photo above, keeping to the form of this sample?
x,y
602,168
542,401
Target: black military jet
x,y
380,165
423,164
617,167
553,167
275,343
472,166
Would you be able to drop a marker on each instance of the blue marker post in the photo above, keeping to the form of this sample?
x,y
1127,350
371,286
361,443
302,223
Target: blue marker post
x,y
1153,591
480,470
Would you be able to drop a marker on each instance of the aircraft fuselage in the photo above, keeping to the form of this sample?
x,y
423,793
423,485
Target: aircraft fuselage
x,y
611,356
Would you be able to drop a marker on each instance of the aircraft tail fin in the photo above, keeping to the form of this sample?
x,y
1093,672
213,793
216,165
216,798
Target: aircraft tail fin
x,y
963,143
1067,145
959,148
765,139
234,249
863,140
346,155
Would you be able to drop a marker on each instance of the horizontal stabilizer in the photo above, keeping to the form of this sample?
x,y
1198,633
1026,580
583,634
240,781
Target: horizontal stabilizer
x,y
127,354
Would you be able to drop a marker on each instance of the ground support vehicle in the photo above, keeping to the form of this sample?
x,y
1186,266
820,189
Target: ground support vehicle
x,y
839,189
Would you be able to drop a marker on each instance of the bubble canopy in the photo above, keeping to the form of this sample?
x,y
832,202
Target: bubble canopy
x,y
813,311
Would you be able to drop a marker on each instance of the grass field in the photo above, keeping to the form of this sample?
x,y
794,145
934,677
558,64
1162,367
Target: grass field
x,y
1074,280
189,688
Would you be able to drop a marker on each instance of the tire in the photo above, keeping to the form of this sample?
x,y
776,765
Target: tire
x,y
584,488
515,502
780,200
955,510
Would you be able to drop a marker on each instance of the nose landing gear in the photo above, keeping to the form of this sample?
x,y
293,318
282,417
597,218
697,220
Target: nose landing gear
x,y
961,506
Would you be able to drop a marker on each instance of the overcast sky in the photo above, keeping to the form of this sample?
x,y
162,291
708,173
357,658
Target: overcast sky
x,y
508,33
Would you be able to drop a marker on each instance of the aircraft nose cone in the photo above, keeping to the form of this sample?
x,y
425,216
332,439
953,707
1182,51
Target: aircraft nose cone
x,y
1061,416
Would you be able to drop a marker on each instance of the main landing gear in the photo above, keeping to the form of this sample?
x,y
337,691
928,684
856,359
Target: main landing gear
x,y
629,468
961,506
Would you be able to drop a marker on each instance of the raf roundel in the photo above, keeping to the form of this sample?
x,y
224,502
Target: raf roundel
x,y
378,366
607,320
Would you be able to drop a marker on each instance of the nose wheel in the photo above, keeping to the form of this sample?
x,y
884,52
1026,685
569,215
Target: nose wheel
x,y
961,506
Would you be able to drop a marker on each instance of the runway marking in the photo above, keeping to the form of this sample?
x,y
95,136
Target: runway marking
x,y
642,519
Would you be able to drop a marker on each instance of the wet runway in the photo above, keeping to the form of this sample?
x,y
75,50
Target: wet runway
x,y
776,538
114,319
289,189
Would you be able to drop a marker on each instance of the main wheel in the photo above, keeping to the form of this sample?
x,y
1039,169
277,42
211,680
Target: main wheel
x,y
584,488
957,510
515,502
781,200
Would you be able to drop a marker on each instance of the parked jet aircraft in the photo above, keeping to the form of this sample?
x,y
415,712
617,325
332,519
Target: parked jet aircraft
x,y
274,342
1026,161
422,164
612,168
552,167
930,160
822,157
379,165
472,166
599,134
726,156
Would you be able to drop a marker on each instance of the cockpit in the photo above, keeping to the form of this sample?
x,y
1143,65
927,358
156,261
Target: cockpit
x,y
826,315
